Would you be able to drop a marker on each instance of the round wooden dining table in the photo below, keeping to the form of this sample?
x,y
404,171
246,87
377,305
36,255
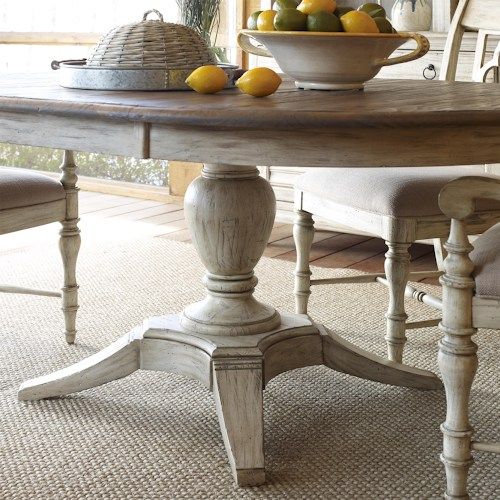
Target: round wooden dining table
x,y
229,341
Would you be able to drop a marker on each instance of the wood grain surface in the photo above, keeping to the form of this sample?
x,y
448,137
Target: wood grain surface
x,y
384,102
391,123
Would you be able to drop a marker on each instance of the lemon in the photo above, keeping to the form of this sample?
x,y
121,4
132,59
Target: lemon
x,y
259,82
373,9
207,79
265,20
312,6
285,4
323,21
358,22
384,25
252,20
290,20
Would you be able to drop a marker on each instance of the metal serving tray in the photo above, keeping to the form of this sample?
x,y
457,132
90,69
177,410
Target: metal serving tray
x,y
75,74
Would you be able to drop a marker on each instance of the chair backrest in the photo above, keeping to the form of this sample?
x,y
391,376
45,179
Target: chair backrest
x,y
482,16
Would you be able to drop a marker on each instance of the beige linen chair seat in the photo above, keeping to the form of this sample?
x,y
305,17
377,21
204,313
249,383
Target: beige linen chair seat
x,y
22,188
486,258
399,205
397,192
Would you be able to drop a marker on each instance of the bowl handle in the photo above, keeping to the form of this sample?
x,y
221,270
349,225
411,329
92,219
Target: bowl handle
x,y
423,47
244,42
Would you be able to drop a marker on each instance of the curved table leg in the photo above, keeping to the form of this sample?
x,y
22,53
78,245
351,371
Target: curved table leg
x,y
118,360
343,356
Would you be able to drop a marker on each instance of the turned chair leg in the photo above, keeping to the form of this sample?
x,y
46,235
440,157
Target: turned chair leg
x,y
303,234
69,245
458,368
397,268
457,360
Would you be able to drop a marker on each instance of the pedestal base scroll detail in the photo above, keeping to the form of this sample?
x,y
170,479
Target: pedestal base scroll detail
x,y
235,368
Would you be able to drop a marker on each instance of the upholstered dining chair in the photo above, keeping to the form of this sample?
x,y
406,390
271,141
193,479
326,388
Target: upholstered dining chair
x,y
471,300
29,199
397,204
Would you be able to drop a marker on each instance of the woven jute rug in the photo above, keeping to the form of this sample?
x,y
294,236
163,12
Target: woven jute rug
x,y
155,435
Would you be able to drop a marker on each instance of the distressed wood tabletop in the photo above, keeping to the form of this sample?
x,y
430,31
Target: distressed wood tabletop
x,y
391,122
396,102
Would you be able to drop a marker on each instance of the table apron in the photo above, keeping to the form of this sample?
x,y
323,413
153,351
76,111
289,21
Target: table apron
x,y
332,147
356,147
124,138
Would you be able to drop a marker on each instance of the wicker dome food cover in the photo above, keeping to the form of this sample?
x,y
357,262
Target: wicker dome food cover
x,y
151,44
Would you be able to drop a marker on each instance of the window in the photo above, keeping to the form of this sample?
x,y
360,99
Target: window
x,y
65,16
80,22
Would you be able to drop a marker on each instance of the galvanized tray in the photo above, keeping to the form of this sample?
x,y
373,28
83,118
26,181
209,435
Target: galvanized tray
x,y
76,74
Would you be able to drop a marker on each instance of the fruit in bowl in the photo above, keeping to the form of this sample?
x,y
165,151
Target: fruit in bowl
x,y
325,46
366,19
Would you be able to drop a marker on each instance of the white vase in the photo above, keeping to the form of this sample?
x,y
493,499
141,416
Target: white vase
x,y
412,15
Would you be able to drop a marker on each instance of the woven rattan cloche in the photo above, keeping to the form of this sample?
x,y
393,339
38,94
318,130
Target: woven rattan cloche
x,y
148,55
151,44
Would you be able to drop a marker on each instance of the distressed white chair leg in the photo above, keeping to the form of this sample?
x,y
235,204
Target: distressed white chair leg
x,y
69,245
457,360
397,269
303,234
237,389
439,252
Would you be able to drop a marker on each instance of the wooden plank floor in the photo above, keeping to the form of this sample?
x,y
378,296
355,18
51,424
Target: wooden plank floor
x,y
333,250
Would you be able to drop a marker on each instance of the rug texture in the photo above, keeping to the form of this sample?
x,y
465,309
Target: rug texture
x,y
155,435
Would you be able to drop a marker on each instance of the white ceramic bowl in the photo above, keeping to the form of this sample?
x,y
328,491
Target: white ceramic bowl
x,y
331,61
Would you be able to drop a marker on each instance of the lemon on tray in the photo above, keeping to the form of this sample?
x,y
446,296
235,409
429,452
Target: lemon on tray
x,y
259,82
207,79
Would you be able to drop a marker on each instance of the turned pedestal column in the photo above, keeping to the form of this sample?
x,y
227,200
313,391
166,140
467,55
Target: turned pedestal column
x,y
230,212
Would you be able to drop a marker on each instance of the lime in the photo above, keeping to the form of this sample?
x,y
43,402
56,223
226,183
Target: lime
x,y
340,11
323,21
290,20
285,4
252,20
384,25
373,9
